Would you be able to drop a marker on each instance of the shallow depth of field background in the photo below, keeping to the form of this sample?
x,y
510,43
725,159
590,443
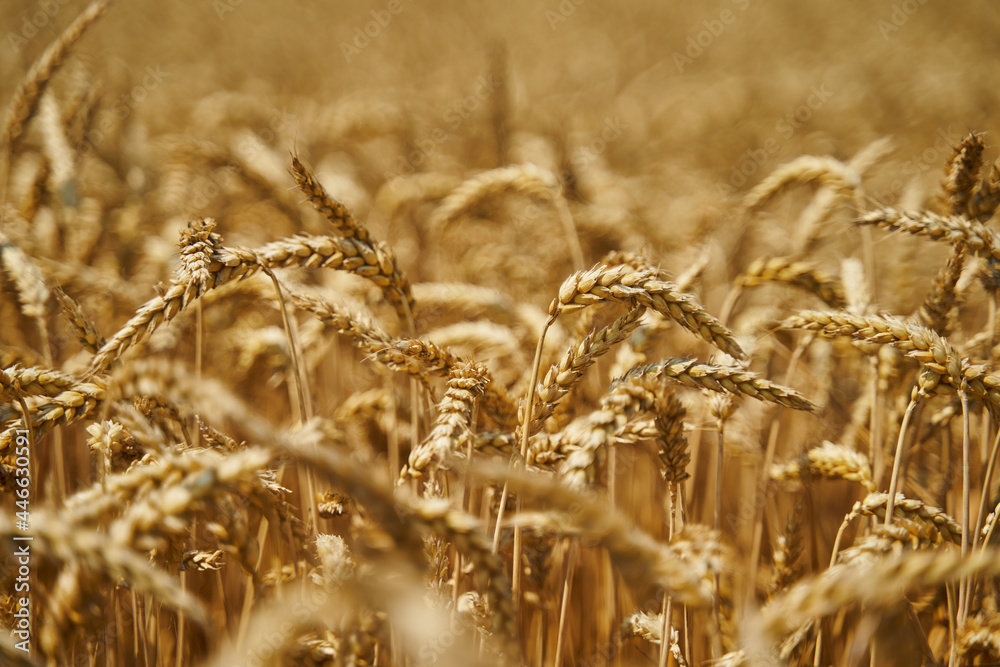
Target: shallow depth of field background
x,y
662,115
699,100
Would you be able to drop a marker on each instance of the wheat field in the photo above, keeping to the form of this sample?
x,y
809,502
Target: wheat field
x,y
531,333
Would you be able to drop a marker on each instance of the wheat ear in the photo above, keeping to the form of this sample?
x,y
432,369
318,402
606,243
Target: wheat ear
x,y
724,379
29,92
624,283
948,229
829,461
466,381
794,271
961,174
826,171
986,196
397,286
563,376
525,179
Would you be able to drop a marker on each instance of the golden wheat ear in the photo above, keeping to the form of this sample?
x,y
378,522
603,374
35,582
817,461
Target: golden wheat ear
x,y
961,175
379,256
28,95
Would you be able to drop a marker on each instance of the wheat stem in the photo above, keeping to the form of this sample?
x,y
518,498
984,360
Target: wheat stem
x,y
898,458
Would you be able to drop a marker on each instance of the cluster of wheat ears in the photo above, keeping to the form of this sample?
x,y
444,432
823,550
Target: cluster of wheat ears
x,y
287,451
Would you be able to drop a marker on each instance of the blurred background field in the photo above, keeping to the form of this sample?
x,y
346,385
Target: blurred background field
x,y
655,119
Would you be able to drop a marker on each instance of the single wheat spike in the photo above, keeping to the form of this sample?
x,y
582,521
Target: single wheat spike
x,y
397,287
723,379
624,283
198,244
986,197
874,583
949,229
826,171
472,300
828,461
650,628
935,353
32,290
65,407
937,306
56,147
671,442
795,272
146,320
586,438
920,343
354,324
911,511
524,179
563,376
86,330
786,554
339,216
25,101
466,382
409,191
961,175
825,200
17,381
